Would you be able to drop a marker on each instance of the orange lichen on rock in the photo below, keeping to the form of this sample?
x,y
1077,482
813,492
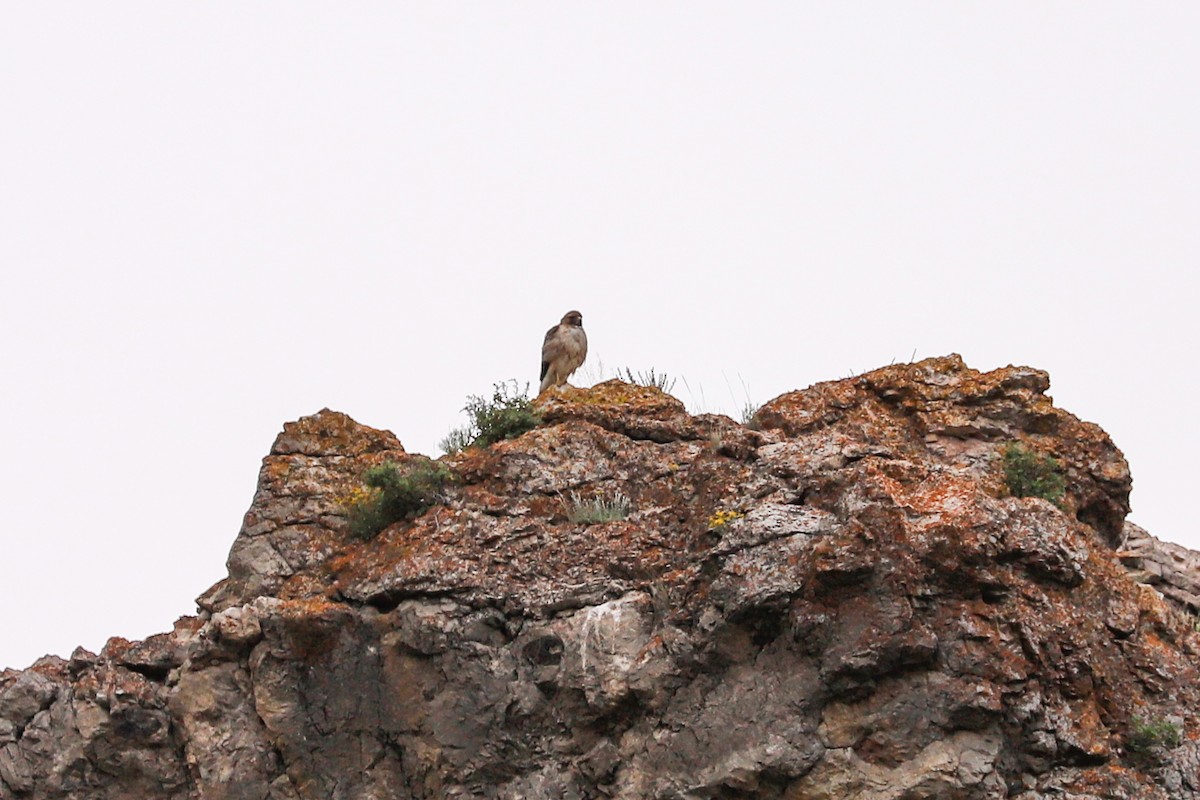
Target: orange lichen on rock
x,y
845,602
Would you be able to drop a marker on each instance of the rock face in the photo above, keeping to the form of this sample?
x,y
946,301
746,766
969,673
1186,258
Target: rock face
x,y
842,603
1168,567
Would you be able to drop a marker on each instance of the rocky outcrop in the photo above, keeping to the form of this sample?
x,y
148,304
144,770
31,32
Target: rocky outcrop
x,y
297,516
843,602
1170,568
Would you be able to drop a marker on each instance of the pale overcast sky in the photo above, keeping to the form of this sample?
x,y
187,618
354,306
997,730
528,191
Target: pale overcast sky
x,y
216,217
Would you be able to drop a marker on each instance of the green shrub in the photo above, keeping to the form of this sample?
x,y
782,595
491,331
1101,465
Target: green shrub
x,y
392,493
1149,739
506,416
1031,474
598,509
662,381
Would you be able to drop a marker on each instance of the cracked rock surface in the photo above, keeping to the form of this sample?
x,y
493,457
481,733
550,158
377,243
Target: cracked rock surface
x,y
843,602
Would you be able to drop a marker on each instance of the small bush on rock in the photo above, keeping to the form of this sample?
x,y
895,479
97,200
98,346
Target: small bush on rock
x,y
1149,740
506,416
1031,474
456,440
598,509
392,493
650,378
749,415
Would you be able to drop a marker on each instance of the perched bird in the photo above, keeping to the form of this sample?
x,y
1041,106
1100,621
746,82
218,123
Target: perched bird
x,y
563,351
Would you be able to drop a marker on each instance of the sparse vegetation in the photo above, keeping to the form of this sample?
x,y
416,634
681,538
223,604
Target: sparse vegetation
x,y
749,412
1149,740
456,440
722,518
392,492
660,381
739,407
507,415
598,509
1028,473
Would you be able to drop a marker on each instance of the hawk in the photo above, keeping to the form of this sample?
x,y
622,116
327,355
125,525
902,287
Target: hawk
x,y
563,351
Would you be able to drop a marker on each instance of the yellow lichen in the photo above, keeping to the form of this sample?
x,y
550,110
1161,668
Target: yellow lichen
x,y
357,496
722,518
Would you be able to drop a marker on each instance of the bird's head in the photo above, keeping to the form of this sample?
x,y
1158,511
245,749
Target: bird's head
x,y
573,318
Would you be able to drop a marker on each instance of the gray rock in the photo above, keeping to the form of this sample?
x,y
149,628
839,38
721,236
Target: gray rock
x,y
26,696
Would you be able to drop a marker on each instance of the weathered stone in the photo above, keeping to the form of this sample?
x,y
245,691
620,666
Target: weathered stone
x,y
28,694
914,409
226,747
963,765
613,652
297,517
846,604
1170,568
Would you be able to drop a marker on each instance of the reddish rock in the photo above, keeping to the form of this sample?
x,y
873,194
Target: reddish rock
x,y
942,410
845,604
298,516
